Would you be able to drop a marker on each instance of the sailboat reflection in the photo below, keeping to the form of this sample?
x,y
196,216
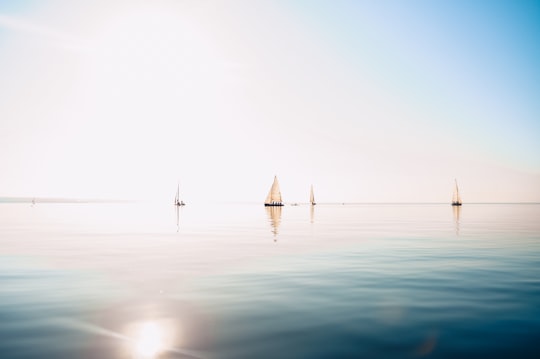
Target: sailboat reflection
x,y
457,213
177,218
274,216
311,214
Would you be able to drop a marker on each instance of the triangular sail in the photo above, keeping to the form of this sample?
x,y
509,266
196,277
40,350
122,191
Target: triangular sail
x,y
311,196
456,199
274,195
177,200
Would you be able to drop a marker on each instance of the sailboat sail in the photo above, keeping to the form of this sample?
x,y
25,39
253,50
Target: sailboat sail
x,y
177,201
274,195
456,199
312,196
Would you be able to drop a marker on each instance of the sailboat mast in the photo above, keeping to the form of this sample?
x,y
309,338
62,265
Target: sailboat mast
x,y
456,200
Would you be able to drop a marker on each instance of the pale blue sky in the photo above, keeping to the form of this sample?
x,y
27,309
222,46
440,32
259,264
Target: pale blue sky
x,y
366,100
476,56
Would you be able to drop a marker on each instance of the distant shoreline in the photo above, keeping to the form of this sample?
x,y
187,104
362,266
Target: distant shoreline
x,y
287,204
60,200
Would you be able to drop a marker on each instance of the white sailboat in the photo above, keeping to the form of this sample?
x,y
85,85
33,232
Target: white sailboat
x,y
456,199
312,197
177,201
274,196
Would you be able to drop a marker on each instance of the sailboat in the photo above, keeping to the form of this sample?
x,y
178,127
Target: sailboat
x,y
274,196
456,199
312,197
177,201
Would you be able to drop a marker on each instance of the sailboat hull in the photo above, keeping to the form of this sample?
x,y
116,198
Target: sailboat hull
x,y
456,203
273,204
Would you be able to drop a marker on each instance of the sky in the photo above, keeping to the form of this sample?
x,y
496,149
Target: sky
x,y
369,101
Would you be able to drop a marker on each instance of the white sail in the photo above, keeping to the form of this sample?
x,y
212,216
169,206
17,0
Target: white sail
x,y
456,199
274,195
177,200
311,196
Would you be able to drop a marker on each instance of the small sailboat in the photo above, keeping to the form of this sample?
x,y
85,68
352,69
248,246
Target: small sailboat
x,y
312,197
274,196
456,199
177,201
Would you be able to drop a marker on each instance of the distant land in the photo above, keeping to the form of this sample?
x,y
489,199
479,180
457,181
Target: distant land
x,y
58,200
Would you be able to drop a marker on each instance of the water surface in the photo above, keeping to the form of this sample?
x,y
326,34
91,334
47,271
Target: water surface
x,y
97,280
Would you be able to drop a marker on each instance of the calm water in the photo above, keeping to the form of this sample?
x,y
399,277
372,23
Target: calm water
x,y
243,281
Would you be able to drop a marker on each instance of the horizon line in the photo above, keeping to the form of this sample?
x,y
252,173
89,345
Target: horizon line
x,y
27,199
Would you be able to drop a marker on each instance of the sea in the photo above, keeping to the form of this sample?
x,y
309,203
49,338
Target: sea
x,y
240,280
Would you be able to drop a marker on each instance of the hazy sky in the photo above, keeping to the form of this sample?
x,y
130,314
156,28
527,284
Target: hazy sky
x,y
366,100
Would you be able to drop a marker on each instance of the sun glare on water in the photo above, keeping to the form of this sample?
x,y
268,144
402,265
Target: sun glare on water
x,y
149,339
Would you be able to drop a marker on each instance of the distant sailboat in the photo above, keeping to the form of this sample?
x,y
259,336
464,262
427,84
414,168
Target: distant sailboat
x,y
274,196
177,201
312,197
456,199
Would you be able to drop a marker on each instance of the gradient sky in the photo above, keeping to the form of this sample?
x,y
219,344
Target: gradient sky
x,y
367,100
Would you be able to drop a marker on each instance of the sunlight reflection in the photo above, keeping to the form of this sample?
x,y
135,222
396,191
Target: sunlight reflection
x,y
149,339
